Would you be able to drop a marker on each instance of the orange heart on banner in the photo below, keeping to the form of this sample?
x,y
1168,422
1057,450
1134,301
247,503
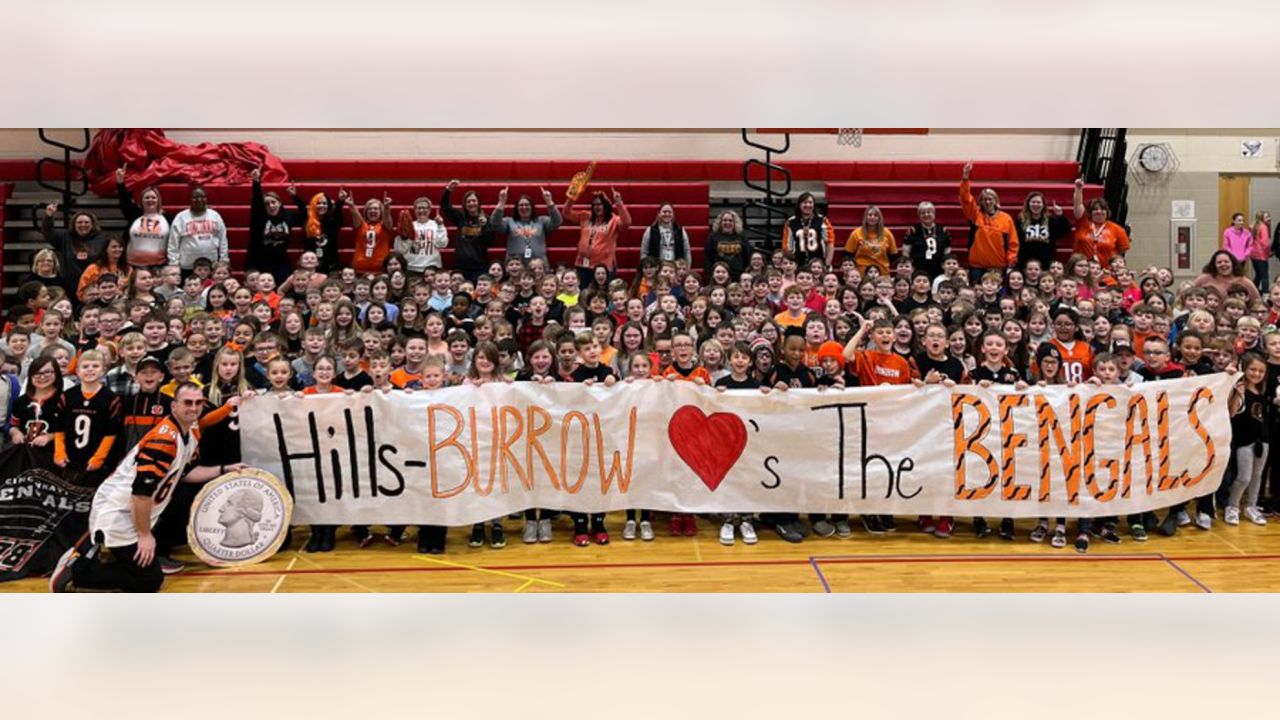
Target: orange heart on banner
x,y
709,445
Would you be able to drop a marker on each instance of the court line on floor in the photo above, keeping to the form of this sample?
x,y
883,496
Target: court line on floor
x,y
835,559
477,568
338,573
284,574
1189,576
826,587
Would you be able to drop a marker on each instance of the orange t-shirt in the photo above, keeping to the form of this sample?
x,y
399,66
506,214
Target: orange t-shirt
x,y
1104,242
1140,339
868,251
402,378
785,320
315,390
698,372
881,368
373,244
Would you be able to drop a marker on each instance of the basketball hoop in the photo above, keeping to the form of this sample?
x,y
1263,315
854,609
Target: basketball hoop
x,y
849,136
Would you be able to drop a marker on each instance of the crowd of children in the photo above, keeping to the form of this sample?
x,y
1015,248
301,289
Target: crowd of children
x,y
99,337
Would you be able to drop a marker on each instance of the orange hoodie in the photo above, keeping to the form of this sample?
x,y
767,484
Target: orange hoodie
x,y
993,239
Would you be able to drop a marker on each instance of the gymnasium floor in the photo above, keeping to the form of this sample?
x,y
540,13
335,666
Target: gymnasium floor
x,y
1224,559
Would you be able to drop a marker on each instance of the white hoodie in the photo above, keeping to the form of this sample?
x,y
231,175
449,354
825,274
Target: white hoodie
x,y
422,251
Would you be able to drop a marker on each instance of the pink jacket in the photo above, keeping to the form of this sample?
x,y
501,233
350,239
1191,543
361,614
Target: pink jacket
x,y
1261,243
1237,242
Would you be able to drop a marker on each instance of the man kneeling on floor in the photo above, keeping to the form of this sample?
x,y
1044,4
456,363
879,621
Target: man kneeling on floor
x,y
128,504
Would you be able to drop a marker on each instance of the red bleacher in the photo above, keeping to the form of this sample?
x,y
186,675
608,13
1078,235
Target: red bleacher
x,y
895,186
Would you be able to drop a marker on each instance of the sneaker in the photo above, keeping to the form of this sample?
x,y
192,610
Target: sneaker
x,y
690,525
530,534
1231,516
544,530
424,548
980,528
788,532
1169,527
748,532
822,529
842,528
316,541
629,530
1108,535
726,534
60,580
366,540
888,524
601,537
1082,542
1138,532
477,537
646,531
1204,520
1059,537
1039,533
1255,516
581,540
926,524
943,528
497,537
393,540
677,525
871,523
1006,529
1183,518
169,566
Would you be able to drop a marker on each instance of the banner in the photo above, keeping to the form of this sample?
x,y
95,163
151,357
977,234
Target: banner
x,y
466,454
41,515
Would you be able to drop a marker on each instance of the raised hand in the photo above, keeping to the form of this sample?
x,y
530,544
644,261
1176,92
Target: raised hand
x,y
453,185
968,168
120,176
1079,183
546,195
343,195
617,196
255,174
51,209
502,196
292,189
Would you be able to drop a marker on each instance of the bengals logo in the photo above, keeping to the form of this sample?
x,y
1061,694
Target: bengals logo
x,y
157,410
35,429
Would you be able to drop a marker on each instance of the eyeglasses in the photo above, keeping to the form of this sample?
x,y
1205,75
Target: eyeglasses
x,y
43,373
192,403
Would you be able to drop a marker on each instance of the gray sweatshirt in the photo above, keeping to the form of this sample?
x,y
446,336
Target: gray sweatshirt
x,y
526,239
191,237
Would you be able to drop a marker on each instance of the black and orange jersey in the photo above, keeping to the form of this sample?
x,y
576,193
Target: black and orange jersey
x,y
808,238
36,417
87,427
140,413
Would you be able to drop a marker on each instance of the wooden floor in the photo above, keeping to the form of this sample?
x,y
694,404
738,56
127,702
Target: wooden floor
x,y
1224,559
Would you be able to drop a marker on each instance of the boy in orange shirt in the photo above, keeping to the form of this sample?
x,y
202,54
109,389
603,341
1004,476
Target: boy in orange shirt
x,y
879,366
684,366
795,314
